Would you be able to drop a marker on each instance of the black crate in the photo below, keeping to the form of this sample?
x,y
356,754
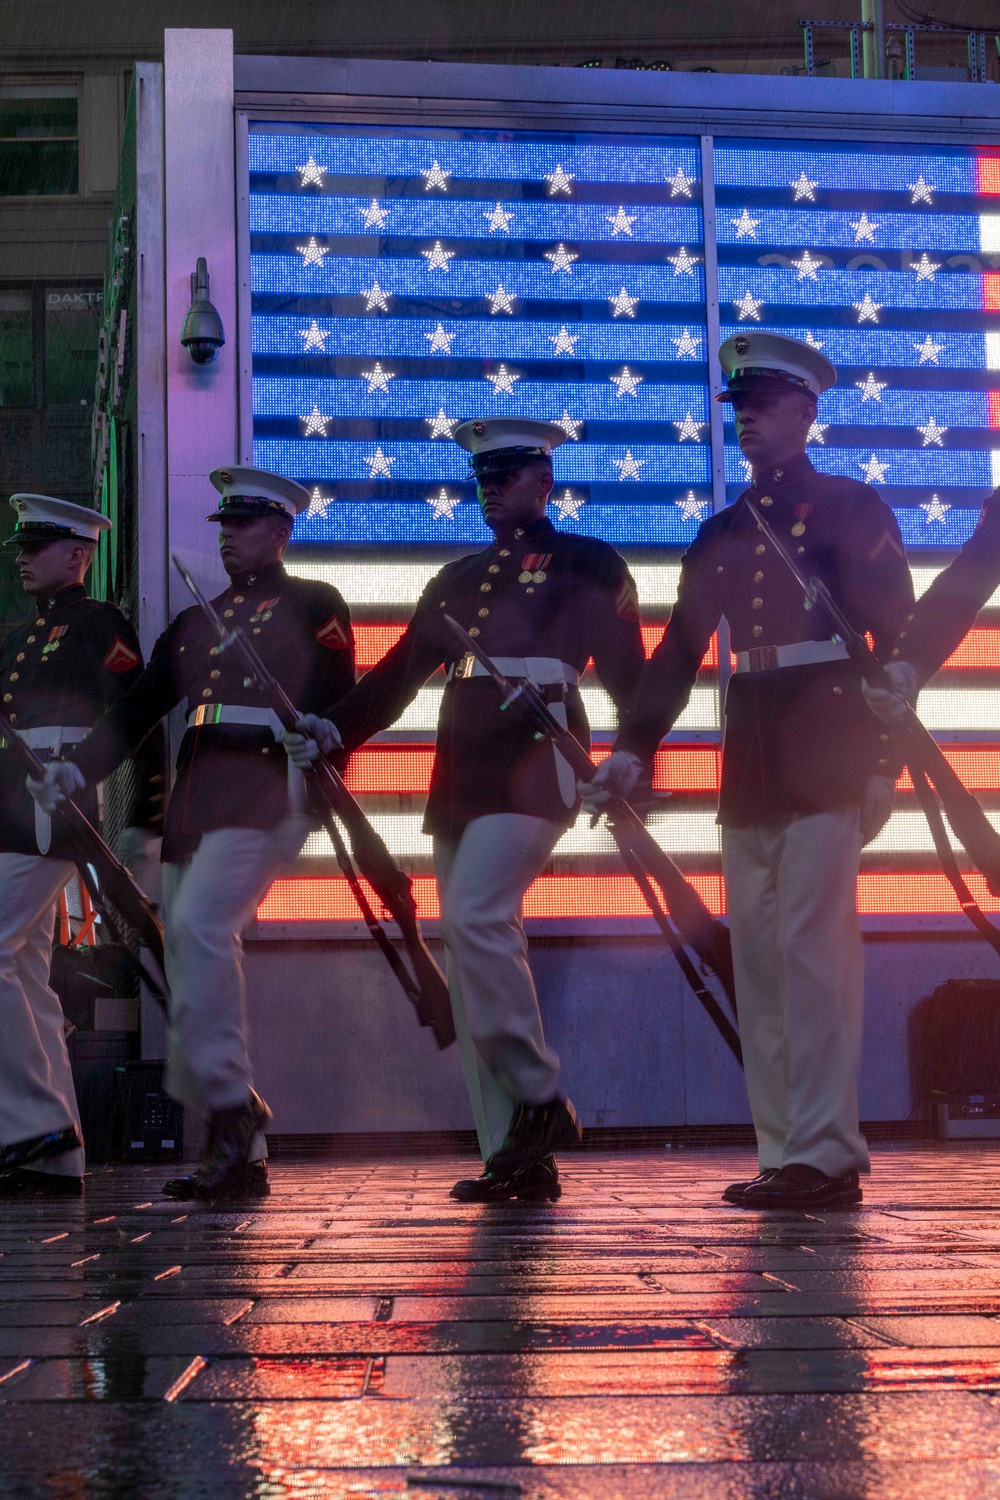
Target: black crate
x,y
149,1125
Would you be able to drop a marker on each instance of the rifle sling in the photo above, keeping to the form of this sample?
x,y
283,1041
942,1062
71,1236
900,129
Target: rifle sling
x,y
946,856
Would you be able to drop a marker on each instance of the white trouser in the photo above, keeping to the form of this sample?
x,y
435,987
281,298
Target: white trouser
x,y
790,890
482,877
207,901
36,1081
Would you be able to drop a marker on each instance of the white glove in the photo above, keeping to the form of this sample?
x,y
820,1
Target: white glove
x,y
614,777
62,779
876,806
891,707
316,737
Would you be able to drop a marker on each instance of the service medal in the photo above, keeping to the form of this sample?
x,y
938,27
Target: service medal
x,y
538,577
798,529
524,577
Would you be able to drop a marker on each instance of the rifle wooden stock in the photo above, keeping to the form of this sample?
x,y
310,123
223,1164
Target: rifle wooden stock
x,y
114,881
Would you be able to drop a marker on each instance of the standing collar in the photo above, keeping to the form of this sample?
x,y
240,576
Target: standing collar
x,y
528,532
790,472
259,577
46,603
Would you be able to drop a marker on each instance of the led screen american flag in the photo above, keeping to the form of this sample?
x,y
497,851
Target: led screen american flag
x,y
405,280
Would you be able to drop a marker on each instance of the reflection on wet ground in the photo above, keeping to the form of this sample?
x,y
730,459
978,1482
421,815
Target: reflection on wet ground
x,y
361,1335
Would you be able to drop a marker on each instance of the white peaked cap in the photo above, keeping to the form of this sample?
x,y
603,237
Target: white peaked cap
x,y
41,516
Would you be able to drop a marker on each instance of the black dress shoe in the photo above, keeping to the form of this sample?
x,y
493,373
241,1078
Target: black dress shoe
x,y
37,1147
734,1192
538,1182
21,1183
250,1182
802,1186
535,1131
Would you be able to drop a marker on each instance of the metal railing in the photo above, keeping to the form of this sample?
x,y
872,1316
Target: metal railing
x,y
976,45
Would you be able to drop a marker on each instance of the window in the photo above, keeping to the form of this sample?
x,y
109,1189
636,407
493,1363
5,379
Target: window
x,y
39,139
72,324
16,361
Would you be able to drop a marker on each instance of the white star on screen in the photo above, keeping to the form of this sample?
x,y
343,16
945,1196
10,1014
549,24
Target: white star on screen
x,y
569,426
681,184
870,388
928,350
379,463
621,222
374,215
873,470
440,341
686,345
311,172
683,263
559,181
813,341
932,434
378,379
441,426
498,219
443,505
564,342
315,422
864,229
804,188
936,510
438,258
568,505
691,507
312,253
867,310
500,300
376,298
748,307
689,431
625,383
816,432
628,467
745,225
920,190
315,337
561,259
925,268
502,381
318,504
435,177
806,266
623,304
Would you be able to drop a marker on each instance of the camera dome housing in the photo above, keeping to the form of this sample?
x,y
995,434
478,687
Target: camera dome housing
x,y
202,335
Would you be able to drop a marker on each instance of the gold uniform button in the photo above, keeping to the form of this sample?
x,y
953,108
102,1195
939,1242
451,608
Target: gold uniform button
x,y
798,529
20,656
227,614
42,622
494,568
206,692
14,676
238,598
474,631
766,500
504,551
756,604
7,697
757,577
483,613
215,673
12,717
800,549
256,630
884,738
838,691
485,588
895,650
265,751
758,630
31,640
719,570
762,548
529,591
883,762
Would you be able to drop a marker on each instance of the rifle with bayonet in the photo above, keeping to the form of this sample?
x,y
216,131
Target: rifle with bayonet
x,y
682,916
110,884
924,757
426,988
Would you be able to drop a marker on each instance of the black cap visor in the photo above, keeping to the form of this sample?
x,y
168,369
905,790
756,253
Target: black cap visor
x,y
251,507
505,460
760,380
40,533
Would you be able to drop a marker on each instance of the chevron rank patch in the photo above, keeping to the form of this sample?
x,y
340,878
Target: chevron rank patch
x,y
333,635
120,658
627,601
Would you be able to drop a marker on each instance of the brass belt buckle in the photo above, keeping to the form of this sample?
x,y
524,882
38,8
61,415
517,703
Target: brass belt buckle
x,y
465,666
763,658
207,713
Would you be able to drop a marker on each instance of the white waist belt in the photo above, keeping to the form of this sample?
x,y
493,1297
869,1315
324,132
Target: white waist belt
x,y
543,670
798,654
49,737
263,718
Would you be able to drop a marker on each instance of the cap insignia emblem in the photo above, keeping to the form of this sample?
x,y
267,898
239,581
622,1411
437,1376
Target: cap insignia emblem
x,y
741,346
479,428
225,476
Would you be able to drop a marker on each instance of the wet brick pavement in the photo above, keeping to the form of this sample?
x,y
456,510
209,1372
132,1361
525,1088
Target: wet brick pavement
x,y
360,1335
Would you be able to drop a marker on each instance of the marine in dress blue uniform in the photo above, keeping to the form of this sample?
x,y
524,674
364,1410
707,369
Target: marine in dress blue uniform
x,y
237,814
807,776
75,657
542,603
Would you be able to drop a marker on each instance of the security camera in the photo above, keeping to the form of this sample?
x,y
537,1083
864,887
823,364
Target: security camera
x,y
202,334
